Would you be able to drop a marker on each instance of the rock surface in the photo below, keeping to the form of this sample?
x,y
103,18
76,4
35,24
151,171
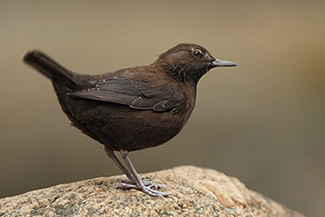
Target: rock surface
x,y
193,192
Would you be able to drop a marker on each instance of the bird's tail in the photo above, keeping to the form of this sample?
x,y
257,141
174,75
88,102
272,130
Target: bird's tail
x,y
51,69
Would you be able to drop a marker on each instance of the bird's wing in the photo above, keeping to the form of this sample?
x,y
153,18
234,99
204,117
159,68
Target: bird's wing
x,y
137,94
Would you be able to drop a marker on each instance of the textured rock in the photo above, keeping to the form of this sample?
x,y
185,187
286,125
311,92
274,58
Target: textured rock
x,y
194,192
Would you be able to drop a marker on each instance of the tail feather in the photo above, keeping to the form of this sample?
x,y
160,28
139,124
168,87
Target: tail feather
x,y
49,67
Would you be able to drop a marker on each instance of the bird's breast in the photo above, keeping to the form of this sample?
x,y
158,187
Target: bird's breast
x,y
189,101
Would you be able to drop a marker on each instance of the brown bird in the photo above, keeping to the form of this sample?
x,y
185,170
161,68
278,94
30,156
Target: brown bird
x,y
133,108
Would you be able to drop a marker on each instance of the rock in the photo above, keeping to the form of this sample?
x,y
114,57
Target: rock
x,y
194,192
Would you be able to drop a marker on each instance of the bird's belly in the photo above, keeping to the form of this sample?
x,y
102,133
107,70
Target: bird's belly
x,y
145,132
120,127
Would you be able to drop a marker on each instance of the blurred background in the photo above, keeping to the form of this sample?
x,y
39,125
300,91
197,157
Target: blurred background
x,y
263,121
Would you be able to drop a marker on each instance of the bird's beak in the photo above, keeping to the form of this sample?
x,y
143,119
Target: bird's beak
x,y
222,63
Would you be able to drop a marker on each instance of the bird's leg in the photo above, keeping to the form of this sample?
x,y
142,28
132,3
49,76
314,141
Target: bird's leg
x,y
130,182
139,184
110,154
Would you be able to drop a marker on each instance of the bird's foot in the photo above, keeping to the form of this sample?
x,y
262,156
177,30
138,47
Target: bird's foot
x,y
147,183
148,187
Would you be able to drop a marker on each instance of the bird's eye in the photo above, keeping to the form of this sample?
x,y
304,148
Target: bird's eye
x,y
197,53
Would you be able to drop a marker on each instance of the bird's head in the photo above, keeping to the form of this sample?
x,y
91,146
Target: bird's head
x,y
189,62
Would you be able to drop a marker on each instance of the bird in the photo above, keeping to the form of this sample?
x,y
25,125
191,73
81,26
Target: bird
x,y
131,108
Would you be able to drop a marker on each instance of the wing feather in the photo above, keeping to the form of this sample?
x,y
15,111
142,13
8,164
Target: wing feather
x,y
137,94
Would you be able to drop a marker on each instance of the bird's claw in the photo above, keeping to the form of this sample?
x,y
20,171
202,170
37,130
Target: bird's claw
x,y
148,187
146,183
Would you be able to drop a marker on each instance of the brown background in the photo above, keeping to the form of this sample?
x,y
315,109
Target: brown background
x,y
263,121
